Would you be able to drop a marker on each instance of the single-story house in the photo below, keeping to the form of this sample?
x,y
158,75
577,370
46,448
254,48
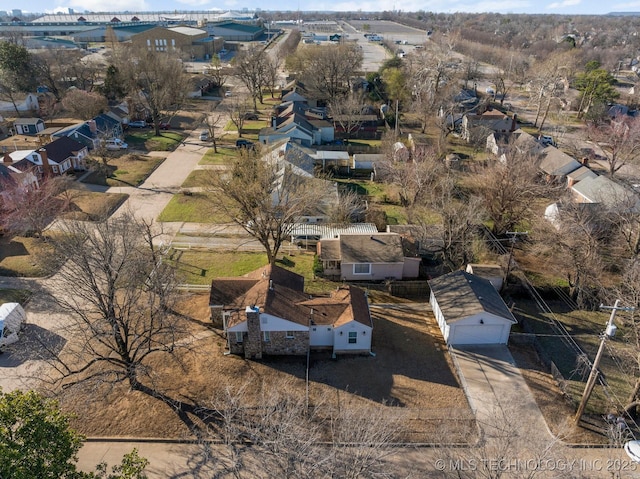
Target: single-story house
x,y
490,121
28,126
84,133
580,174
556,165
32,160
605,191
27,103
267,312
469,310
368,257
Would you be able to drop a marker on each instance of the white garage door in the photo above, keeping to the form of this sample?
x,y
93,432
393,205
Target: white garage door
x,y
480,334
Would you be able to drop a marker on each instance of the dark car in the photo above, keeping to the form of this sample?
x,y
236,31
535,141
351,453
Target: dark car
x,y
164,125
250,116
138,124
245,144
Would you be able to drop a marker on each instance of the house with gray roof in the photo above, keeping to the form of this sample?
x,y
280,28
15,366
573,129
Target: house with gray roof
x,y
556,164
469,310
368,257
28,126
267,312
605,191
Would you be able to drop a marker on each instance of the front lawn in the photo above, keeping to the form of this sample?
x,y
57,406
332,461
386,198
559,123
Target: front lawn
x,y
193,208
225,156
147,140
14,296
130,169
23,256
92,206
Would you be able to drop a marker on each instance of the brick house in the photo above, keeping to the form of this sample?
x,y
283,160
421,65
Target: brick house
x,y
191,43
267,312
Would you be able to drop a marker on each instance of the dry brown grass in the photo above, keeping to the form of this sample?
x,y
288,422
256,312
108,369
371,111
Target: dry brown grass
x,y
410,372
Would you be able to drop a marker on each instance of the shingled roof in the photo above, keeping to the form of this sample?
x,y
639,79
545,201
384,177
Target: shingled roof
x,y
461,294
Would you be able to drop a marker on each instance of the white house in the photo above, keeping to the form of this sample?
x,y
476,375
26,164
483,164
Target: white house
x,y
27,103
267,312
469,310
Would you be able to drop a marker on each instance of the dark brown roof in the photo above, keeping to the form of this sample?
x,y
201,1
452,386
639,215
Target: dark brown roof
x,y
280,292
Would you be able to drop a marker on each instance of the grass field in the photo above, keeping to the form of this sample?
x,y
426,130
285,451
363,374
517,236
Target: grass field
x,y
194,208
14,296
147,140
129,169
225,156
23,257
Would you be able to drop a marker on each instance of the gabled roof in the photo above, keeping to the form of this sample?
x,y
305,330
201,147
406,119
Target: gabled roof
x,y
581,173
346,304
557,163
375,248
63,148
461,294
603,190
28,121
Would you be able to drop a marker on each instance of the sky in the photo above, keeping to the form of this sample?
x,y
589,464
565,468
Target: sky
x,y
444,6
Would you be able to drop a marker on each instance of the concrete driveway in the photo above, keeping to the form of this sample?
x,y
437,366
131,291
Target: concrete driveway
x,y
497,391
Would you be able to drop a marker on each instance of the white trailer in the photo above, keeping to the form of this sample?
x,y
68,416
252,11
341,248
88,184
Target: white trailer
x,y
12,317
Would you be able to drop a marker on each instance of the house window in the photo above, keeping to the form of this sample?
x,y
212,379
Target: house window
x,y
290,335
353,337
266,336
148,42
238,337
314,329
364,268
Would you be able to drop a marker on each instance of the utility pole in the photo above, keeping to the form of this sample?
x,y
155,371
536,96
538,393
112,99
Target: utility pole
x,y
609,332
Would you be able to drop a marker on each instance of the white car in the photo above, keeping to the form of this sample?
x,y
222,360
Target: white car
x,y
204,135
115,144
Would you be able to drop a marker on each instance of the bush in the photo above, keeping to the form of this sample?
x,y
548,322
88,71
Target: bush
x,y
317,266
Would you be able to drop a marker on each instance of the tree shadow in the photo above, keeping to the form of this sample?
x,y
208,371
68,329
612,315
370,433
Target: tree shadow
x,y
35,343
10,247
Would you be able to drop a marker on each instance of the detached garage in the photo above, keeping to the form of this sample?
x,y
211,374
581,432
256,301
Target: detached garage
x,y
469,310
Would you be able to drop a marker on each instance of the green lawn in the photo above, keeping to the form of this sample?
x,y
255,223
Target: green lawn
x,y
199,178
200,267
225,156
14,295
146,139
195,208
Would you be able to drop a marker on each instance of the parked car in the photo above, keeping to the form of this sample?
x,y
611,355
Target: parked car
x,y
138,124
245,144
547,140
164,125
204,135
228,94
115,144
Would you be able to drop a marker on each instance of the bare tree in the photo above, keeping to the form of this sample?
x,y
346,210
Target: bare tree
x,y
266,197
156,82
212,120
120,306
83,104
619,139
27,210
250,67
347,112
508,189
329,69
238,110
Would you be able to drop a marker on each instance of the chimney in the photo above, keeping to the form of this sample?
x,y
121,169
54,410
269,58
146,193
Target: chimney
x,y
585,161
46,167
92,126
